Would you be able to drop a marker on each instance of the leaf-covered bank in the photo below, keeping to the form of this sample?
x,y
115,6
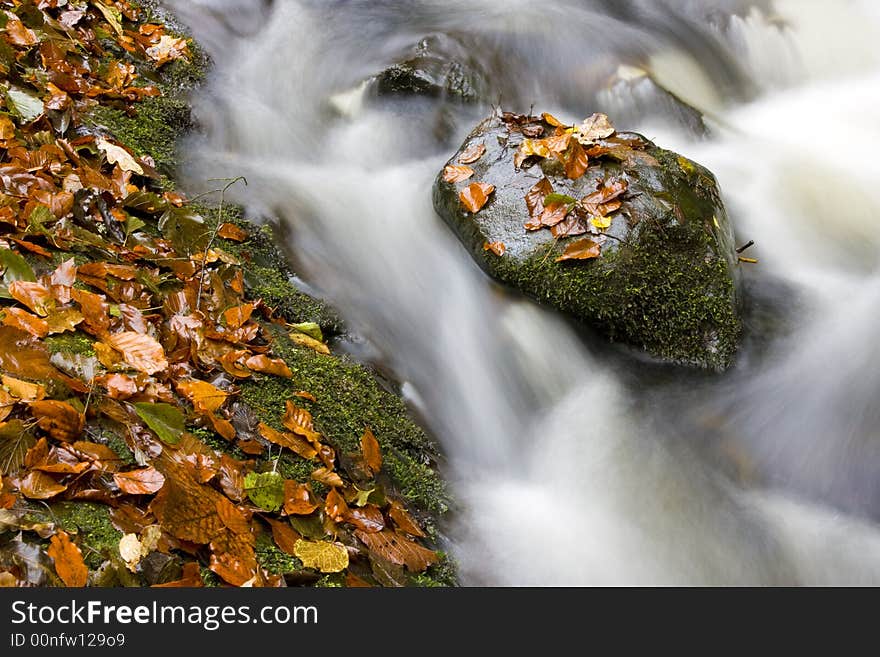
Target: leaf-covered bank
x,y
171,411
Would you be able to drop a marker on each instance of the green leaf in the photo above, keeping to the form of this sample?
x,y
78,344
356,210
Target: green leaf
x,y
559,198
310,329
185,229
15,440
24,104
15,268
165,420
266,489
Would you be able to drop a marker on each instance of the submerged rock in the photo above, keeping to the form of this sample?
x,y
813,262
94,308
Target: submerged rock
x,y
439,65
665,279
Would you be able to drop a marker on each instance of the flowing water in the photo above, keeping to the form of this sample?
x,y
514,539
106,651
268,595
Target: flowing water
x,y
571,462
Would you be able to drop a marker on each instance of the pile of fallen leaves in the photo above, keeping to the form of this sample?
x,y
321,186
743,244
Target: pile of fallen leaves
x,y
91,249
574,147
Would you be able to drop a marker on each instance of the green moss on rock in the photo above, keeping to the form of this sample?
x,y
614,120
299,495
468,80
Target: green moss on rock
x,y
91,522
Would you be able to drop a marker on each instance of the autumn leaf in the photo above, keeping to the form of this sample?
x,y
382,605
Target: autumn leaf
x,y
239,315
233,558
323,556
335,506
118,155
594,127
575,161
23,390
300,421
454,173
284,535
368,518
141,352
584,249
204,397
556,208
308,341
68,560
62,320
298,499
191,577
475,196
187,509
552,120
264,364
371,451
288,440
472,153
498,248
398,549
25,321
140,482
403,520
59,419
601,222
232,233
36,296
327,477
38,485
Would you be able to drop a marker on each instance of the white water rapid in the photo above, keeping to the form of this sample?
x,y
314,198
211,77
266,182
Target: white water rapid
x,y
571,466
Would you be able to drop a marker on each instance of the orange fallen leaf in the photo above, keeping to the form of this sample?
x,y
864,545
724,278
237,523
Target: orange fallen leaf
x,y
475,196
68,560
36,296
300,421
59,419
403,520
264,364
335,506
232,232
239,315
141,352
498,248
327,477
298,499
40,486
285,536
191,577
140,482
288,440
204,397
575,161
22,319
472,153
398,549
23,390
585,249
371,450
455,173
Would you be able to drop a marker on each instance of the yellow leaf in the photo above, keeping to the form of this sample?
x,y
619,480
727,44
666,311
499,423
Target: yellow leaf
x,y
310,342
601,222
324,556
118,155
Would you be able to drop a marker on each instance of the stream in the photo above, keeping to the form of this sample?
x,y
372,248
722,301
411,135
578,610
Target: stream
x,y
572,462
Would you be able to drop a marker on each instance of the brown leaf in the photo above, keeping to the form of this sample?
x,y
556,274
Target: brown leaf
x,y
187,509
398,549
204,397
17,34
232,517
368,518
472,153
298,499
475,196
372,451
572,225
232,232
59,419
40,486
266,365
102,457
22,319
63,319
288,440
232,363
95,310
23,390
119,386
300,421
327,477
239,315
36,296
141,352
575,160
404,521
608,191
498,248
535,200
552,120
140,482
455,173
585,249
285,536
231,477
233,558
554,213
335,506
68,560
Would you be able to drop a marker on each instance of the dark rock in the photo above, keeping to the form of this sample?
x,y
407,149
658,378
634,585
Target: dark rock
x,y
665,281
438,66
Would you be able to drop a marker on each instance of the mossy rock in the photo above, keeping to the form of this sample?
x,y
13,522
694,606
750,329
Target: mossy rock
x,y
666,280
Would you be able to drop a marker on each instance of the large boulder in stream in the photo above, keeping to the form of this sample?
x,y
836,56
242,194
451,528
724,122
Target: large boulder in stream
x,y
605,226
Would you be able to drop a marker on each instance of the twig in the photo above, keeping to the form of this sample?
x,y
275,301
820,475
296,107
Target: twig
x,y
204,272
748,245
